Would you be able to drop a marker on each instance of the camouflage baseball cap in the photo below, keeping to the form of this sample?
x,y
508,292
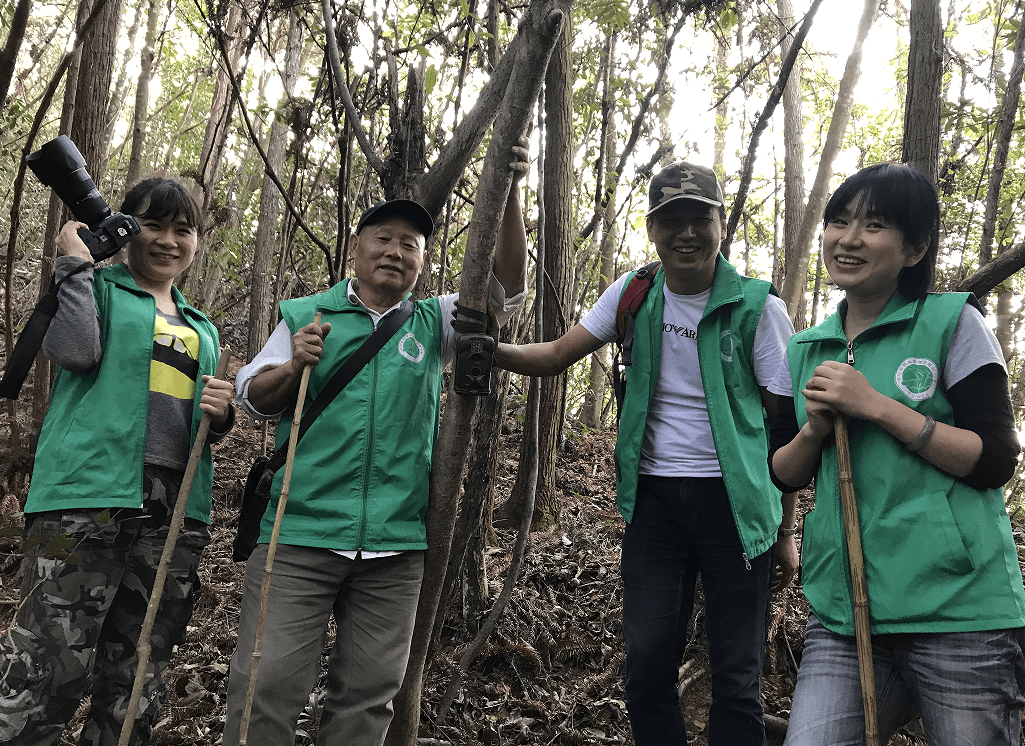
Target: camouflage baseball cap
x,y
684,181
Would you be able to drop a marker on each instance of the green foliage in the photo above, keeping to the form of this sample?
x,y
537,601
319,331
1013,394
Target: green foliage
x,y
186,71
611,15
430,80
727,21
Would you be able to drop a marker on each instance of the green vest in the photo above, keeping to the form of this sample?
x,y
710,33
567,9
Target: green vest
x,y
93,441
725,342
362,471
939,555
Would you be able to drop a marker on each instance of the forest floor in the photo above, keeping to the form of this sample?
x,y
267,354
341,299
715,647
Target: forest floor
x,y
551,673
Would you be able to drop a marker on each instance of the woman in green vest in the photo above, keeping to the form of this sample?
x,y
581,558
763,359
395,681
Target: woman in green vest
x,y
135,367
922,383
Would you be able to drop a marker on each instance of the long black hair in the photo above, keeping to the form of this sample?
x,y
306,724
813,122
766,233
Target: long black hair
x,y
157,197
907,198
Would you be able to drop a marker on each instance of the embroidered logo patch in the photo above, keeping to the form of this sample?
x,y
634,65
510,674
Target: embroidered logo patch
x,y
410,349
917,378
726,346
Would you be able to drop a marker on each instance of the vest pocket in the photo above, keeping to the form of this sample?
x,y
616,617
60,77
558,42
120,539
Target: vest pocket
x,y
925,538
953,555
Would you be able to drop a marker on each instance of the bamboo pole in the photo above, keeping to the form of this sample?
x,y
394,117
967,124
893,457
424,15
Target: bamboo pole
x,y
862,626
261,619
177,519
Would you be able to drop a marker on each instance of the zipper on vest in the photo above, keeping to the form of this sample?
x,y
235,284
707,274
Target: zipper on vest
x,y
850,352
747,562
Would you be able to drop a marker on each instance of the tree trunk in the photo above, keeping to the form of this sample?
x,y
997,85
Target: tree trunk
x,y
785,71
559,263
795,282
793,145
119,87
594,407
722,73
172,143
1005,322
142,93
478,493
9,54
605,187
68,66
97,67
921,147
83,114
1005,129
261,309
197,278
541,27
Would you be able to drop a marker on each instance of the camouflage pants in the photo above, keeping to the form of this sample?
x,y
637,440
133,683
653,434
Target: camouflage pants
x,y
87,577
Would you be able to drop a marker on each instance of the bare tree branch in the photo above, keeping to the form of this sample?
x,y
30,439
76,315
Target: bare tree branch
x,y
635,131
995,272
269,169
342,92
763,121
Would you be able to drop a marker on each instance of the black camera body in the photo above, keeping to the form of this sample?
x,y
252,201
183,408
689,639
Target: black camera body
x,y
475,352
474,359
59,165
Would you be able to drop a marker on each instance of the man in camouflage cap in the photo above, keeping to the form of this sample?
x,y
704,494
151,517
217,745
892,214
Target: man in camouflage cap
x,y
691,475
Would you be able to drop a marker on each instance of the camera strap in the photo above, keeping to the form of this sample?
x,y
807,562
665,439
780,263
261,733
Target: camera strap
x,y
348,370
31,340
469,320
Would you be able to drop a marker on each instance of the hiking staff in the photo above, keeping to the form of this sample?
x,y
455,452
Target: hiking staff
x,y
286,480
177,519
862,626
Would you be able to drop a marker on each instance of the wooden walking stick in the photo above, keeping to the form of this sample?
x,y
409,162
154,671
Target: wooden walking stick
x,y
286,481
856,558
177,519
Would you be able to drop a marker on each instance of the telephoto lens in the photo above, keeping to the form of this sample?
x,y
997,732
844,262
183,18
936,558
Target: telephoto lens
x,y
59,165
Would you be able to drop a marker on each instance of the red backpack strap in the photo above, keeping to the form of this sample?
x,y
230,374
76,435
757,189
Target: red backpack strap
x,y
630,301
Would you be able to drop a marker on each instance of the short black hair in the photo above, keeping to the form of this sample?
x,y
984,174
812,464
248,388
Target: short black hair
x,y
906,197
157,197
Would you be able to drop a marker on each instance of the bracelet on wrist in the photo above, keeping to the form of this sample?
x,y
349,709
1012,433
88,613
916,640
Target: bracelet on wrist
x,y
923,436
784,531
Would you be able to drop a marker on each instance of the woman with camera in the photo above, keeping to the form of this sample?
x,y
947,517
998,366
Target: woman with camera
x,y
135,376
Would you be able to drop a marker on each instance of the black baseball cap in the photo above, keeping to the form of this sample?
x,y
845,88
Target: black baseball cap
x,y
412,211
684,181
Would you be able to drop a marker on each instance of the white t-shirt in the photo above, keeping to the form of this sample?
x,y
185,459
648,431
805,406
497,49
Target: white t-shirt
x,y
971,346
677,435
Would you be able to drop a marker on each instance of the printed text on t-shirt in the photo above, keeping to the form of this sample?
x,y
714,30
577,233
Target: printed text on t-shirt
x,y
680,331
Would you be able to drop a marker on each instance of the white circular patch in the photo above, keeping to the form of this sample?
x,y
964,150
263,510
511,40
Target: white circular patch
x,y
726,346
407,346
917,378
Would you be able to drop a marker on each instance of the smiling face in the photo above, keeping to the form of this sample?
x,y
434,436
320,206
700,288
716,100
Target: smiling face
x,y
387,258
686,234
163,250
865,253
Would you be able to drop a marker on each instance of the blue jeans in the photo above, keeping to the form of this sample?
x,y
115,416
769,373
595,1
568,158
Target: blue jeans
x,y
966,687
683,527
